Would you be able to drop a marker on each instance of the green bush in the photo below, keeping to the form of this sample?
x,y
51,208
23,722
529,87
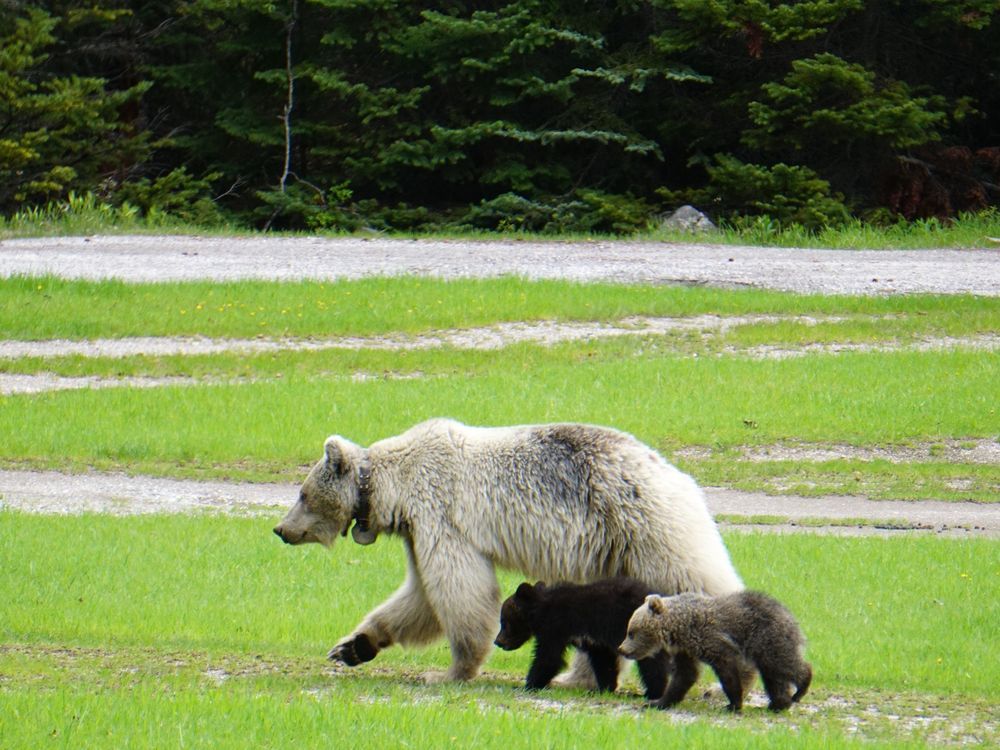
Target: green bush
x,y
786,195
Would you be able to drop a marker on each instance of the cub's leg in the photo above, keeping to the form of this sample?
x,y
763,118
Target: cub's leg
x,y
654,672
604,662
729,674
685,674
547,662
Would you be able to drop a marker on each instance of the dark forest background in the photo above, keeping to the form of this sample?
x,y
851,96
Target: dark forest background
x,y
548,115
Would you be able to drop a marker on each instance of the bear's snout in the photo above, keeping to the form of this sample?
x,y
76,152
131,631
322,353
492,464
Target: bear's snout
x,y
286,538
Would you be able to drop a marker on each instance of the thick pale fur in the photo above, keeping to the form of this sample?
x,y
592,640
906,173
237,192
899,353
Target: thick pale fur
x,y
563,502
729,633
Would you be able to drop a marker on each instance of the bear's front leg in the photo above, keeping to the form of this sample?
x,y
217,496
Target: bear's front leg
x,y
405,617
546,662
685,674
462,590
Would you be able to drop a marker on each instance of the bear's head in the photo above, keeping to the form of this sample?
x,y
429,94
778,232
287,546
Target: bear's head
x,y
517,617
643,637
330,498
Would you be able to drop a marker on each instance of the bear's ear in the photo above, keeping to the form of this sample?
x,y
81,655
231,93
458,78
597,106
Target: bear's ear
x,y
335,461
655,604
525,591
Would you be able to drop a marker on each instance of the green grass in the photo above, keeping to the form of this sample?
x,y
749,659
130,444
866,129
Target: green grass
x,y
667,401
278,713
46,307
222,585
965,231
141,630
674,390
206,631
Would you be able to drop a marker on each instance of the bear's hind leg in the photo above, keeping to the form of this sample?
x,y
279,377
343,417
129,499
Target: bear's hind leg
x,y
729,673
579,675
778,690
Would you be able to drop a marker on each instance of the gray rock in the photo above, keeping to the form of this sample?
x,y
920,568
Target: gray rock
x,y
688,219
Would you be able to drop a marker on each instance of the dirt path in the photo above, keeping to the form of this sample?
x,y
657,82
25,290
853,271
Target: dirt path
x,y
148,258
55,493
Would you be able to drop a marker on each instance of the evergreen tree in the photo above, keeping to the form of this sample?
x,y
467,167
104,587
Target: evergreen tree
x,y
59,130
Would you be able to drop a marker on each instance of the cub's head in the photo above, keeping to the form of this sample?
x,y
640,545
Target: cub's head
x,y
643,637
517,617
328,500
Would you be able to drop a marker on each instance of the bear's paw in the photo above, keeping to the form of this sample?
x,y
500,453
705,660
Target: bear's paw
x,y
353,650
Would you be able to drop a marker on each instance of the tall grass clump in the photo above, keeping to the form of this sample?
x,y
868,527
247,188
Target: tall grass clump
x,y
967,230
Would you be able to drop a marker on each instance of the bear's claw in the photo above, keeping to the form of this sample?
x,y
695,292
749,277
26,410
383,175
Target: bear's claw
x,y
353,651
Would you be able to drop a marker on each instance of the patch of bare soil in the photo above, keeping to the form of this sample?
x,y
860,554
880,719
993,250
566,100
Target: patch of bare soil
x,y
42,382
972,451
11,384
982,342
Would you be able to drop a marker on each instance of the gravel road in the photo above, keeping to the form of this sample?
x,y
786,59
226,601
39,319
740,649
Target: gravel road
x,y
149,258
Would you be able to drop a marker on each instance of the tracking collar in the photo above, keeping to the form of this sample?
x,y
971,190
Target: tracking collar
x,y
361,533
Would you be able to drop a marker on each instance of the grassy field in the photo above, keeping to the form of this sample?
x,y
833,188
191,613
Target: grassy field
x,y
716,388
47,307
203,631
207,631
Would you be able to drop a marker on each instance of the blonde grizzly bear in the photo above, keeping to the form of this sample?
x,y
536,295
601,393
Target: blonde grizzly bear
x,y
729,633
564,502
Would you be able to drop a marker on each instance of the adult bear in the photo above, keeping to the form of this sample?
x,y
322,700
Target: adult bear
x,y
559,502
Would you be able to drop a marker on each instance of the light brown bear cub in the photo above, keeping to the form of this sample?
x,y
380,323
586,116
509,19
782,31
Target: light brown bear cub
x,y
730,633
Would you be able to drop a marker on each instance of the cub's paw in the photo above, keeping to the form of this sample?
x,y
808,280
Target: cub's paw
x,y
353,650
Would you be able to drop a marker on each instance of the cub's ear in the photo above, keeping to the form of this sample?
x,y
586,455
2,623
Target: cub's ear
x,y
525,591
655,604
336,463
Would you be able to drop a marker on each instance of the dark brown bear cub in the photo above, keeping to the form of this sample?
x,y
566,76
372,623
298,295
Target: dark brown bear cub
x,y
593,617
730,633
